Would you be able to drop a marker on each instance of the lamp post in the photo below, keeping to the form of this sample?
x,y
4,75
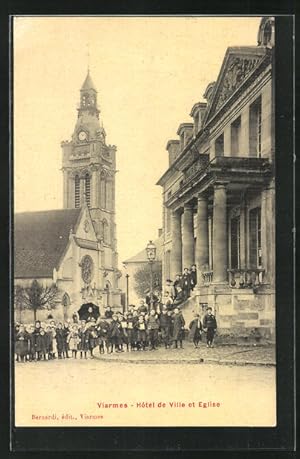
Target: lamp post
x,y
151,255
127,292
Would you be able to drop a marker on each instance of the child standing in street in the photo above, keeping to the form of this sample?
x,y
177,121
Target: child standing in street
x,y
130,332
141,334
210,326
83,343
102,333
153,326
21,345
41,345
195,330
165,326
74,340
178,328
49,339
60,340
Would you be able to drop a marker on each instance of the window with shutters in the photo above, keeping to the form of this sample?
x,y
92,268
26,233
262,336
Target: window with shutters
x,y
88,189
235,243
77,191
255,250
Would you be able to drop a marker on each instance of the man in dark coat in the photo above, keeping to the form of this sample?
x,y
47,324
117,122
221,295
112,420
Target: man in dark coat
x,y
186,284
153,326
178,328
108,313
194,276
195,330
177,283
179,297
210,326
165,322
142,307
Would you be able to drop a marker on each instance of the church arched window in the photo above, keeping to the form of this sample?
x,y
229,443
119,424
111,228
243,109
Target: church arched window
x,y
103,190
77,191
87,181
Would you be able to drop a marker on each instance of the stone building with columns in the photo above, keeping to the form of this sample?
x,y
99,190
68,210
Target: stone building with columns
x,y
219,193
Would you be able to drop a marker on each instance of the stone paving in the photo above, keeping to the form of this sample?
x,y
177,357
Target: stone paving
x,y
226,354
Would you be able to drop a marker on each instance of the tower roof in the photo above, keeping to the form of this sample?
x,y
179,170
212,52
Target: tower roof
x,y
88,83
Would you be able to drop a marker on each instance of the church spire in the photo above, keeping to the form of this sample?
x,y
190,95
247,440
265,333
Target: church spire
x,y
88,97
88,83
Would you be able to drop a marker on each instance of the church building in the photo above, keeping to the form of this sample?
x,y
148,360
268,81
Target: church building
x,y
76,247
219,193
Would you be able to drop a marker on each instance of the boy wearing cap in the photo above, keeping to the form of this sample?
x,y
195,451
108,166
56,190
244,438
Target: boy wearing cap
x,y
195,330
209,326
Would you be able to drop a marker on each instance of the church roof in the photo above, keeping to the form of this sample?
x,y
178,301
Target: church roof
x,y
88,83
141,257
40,239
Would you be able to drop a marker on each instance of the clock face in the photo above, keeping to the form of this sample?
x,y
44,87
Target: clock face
x,y
82,135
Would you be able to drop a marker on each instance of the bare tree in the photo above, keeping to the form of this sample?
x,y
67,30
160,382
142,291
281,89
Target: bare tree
x,y
142,278
35,297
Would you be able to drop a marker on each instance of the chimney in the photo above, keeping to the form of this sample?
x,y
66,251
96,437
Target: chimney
x,y
173,150
160,230
185,132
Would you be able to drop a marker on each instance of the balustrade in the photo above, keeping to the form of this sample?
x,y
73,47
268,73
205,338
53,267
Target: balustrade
x,y
246,278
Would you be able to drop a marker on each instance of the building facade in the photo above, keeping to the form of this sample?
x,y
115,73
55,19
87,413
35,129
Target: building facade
x,y
219,193
75,247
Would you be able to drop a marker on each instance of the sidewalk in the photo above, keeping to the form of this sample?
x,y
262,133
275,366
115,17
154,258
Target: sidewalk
x,y
227,355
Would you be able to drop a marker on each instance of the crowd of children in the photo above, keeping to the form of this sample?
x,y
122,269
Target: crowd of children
x,y
135,330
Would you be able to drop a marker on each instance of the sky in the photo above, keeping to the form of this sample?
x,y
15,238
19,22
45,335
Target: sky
x,y
149,72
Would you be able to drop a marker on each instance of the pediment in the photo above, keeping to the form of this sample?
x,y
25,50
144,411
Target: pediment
x,y
238,64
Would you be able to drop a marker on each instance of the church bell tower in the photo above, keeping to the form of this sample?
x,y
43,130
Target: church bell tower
x,y
89,168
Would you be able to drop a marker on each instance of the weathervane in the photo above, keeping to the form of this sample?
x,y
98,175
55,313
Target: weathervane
x,y
88,57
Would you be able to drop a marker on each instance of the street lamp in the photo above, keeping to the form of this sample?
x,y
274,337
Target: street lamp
x,y
127,291
151,255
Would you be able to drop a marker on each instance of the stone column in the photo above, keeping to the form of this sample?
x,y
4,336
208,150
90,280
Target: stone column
x,y
202,250
188,249
220,251
176,252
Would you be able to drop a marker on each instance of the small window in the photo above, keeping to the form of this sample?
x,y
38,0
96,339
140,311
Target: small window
x,y
219,146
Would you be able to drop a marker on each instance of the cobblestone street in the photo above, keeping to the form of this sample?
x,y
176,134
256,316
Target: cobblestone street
x,y
67,392
241,355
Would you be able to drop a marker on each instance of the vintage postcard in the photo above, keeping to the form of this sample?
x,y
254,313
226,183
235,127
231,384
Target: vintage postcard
x,y
144,221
